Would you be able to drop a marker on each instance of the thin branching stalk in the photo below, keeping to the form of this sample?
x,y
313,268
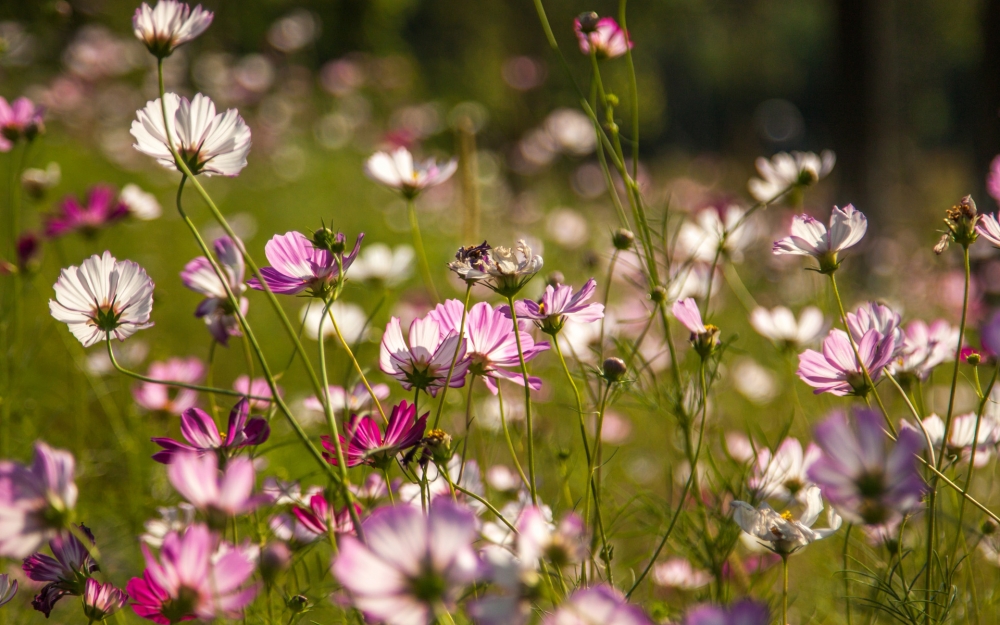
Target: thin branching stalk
x,y
418,244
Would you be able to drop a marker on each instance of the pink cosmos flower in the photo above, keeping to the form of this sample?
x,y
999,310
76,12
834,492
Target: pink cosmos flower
x,y
35,500
836,369
160,397
298,265
424,363
809,237
8,588
191,582
988,227
744,612
867,477
363,443
558,305
397,170
993,184
490,343
411,563
875,316
704,337
597,605
539,540
320,517
258,387
357,400
19,119
926,346
204,437
101,208
101,600
169,25
680,573
65,574
606,38
783,473
196,477
216,309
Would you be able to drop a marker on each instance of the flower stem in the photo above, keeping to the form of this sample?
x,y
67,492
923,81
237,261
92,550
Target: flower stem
x,y
847,578
784,589
506,434
454,358
527,403
418,244
354,360
958,359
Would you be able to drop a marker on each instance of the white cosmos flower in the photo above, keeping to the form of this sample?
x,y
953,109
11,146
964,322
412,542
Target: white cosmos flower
x,y
351,319
784,170
209,143
779,325
810,237
397,170
380,262
781,533
140,204
102,296
783,473
169,25
699,238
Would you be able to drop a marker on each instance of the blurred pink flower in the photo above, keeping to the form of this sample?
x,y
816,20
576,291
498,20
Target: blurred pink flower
x,y
606,38
680,573
160,397
783,473
35,500
101,209
101,600
993,182
8,588
398,171
926,346
258,387
319,518
597,605
197,479
20,119
809,237
216,309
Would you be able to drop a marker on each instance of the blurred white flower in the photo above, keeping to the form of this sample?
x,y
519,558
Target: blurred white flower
x,y
37,181
567,227
572,131
175,519
397,170
500,477
140,204
754,381
377,261
699,238
785,170
779,325
680,573
293,32
351,319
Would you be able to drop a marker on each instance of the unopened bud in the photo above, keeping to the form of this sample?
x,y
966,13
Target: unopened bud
x,y
588,21
614,369
555,278
326,239
297,603
658,295
988,527
622,238
974,359
612,100
437,444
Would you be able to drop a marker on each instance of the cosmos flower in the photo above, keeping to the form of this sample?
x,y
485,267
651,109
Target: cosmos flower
x,y
102,600
364,443
379,262
357,400
784,171
470,262
169,25
993,188
780,326
704,337
101,209
783,474
988,226
208,143
510,269
558,305
140,204
539,540
203,437
65,574
875,316
163,398
35,500
962,436
320,517
216,309
835,369
398,171
257,387
411,564
196,477
868,478
102,297
350,317
744,612
809,237
172,519
698,239
680,573
8,588
781,533
20,119
298,265
190,581
606,38
424,363
925,347
597,605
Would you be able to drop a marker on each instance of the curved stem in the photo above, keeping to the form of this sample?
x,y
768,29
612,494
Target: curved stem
x,y
418,244
454,358
527,403
357,365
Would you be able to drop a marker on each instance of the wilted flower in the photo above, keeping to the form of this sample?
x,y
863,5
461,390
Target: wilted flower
x,y
809,237
357,400
411,564
190,582
704,337
298,265
216,309
779,325
605,37
471,261
102,297
424,363
962,220
783,474
680,573
101,600
319,518
387,265
20,119
169,25
207,143
558,305
140,204
745,612
35,501
867,477
196,477
925,347
161,397
204,437
836,369
786,171
510,269
363,442
398,171
65,574
781,533
597,605
101,209
8,588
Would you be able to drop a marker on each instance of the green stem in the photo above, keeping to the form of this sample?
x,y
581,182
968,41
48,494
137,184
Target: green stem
x,y
354,361
454,357
958,359
527,403
784,589
418,244
506,434
847,578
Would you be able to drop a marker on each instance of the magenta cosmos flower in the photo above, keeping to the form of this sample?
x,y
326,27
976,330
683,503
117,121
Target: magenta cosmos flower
x,y
101,208
868,478
597,605
298,265
64,574
320,518
605,38
161,397
216,309
809,237
169,25
424,363
101,600
398,171
192,580
412,563
363,443
491,346
102,297
744,612
204,437
835,369
558,305
196,477
19,119
35,501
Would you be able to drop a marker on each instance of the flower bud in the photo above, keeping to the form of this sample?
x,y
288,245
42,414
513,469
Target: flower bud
x,y
555,278
622,238
612,100
437,444
988,527
297,603
326,239
614,369
588,21
961,220
658,295
974,358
